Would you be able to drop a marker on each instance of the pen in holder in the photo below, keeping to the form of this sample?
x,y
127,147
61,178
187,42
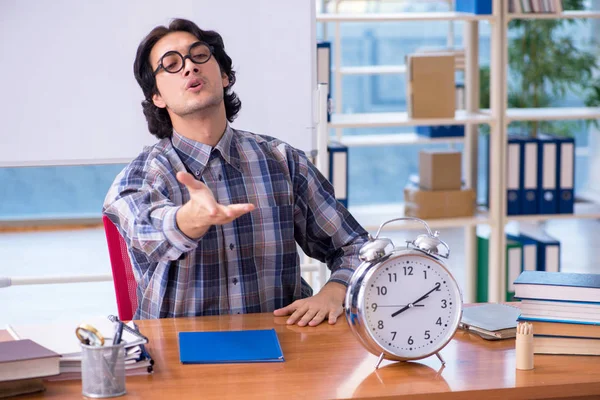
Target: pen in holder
x,y
524,346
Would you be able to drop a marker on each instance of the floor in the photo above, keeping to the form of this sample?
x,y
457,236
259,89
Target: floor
x,y
83,252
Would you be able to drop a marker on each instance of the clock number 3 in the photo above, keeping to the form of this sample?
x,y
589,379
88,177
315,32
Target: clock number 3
x,y
444,303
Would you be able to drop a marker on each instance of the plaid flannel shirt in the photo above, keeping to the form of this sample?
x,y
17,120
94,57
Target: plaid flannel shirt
x,y
249,265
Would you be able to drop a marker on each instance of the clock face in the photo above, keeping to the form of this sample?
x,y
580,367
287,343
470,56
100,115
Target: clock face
x,y
412,306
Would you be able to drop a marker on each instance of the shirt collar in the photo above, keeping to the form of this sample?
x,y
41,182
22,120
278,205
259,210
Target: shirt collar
x,y
196,155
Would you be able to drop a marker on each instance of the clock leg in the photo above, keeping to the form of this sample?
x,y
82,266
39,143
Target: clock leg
x,y
379,361
440,357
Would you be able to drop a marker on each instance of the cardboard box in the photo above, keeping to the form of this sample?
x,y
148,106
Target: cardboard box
x,y
438,203
440,170
430,88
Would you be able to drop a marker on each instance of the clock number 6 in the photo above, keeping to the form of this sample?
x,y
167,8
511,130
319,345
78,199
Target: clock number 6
x,y
410,340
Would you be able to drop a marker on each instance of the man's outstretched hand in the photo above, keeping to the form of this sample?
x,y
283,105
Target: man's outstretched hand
x,y
327,304
202,211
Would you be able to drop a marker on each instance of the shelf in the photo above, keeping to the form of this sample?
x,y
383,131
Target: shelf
x,y
372,216
585,210
459,56
394,139
562,15
372,120
552,113
374,70
410,16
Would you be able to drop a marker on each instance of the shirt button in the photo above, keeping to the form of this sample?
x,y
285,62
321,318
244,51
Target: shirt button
x,y
235,281
220,177
197,172
231,246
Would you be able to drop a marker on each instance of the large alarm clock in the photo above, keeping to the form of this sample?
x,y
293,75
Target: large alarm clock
x,y
402,303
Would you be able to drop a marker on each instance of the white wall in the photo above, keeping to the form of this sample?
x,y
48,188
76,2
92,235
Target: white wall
x,y
68,91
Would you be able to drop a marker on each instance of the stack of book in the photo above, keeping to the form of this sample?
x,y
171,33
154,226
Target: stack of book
x,y
535,6
60,338
23,364
564,309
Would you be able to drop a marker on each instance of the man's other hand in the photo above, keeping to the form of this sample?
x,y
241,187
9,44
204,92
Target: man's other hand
x,y
327,304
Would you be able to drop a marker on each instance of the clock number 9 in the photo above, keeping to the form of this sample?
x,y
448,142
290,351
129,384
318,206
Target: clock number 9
x,y
374,306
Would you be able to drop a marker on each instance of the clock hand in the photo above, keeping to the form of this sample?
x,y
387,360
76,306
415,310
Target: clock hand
x,y
414,303
400,305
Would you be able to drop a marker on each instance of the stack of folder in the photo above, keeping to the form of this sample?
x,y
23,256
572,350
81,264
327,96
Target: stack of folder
x,y
540,175
529,250
564,309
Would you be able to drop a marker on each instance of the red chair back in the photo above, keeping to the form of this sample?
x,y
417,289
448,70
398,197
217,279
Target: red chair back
x,y
122,271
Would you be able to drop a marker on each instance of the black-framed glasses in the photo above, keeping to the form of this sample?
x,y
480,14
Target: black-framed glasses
x,y
173,62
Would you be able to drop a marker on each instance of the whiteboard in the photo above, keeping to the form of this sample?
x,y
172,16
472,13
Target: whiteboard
x,y
67,91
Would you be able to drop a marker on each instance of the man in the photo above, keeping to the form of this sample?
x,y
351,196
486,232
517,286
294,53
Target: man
x,y
211,215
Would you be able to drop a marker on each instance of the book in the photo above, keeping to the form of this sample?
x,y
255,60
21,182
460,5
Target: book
x,y
491,321
565,345
229,347
22,359
560,311
21,386
544,285
570,329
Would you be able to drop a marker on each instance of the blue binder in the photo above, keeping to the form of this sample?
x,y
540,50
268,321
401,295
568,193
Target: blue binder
x,y
548,250
474,6
324,71
513,176
528,184
565,176
441,131
547,175
338,170
229,347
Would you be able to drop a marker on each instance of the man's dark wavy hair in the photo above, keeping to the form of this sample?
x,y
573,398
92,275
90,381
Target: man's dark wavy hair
x,y
159,122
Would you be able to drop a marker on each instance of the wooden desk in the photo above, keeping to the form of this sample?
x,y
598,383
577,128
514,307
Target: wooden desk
x,y
327,362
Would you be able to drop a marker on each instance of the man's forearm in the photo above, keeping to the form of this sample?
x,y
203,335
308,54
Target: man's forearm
x,y
188,224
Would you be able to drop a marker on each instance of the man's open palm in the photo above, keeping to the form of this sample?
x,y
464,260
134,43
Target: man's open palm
x,y
203,211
